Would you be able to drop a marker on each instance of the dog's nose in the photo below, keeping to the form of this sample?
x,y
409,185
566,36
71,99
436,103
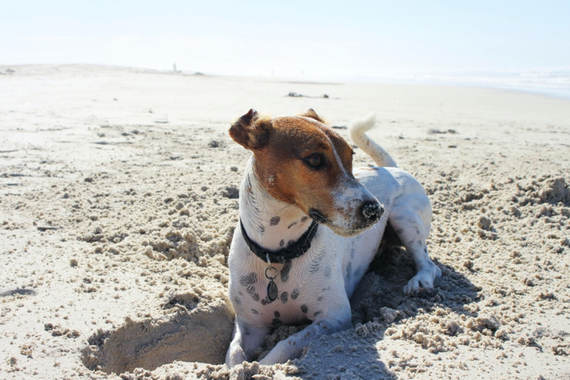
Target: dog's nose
x,y
372,211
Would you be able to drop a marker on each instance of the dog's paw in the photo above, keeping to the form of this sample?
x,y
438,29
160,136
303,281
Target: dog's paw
x,y
422,283
287,349
279,354
235,356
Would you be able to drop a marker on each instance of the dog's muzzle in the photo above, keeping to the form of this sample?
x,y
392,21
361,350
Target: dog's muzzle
x,y
372,211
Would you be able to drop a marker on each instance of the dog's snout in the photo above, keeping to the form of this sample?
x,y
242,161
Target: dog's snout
x,y
372,211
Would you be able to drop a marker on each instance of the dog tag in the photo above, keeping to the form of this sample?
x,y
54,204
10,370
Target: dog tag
x,y
272,291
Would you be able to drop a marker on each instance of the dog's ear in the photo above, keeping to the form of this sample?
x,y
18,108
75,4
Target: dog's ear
x,y
251,131
313,115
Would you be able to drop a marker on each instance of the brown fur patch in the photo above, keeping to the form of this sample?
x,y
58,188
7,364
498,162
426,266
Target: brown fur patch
x,y
292,140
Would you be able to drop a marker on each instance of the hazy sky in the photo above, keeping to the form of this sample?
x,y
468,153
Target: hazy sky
x,y
290,38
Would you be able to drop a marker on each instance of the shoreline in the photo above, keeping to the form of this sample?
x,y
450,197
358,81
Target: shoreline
x,y
481,80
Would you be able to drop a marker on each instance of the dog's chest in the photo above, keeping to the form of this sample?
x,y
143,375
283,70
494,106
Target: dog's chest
x,y
309,286
304,290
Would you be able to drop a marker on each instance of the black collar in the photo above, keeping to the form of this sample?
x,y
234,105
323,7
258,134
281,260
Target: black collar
x,y
286,254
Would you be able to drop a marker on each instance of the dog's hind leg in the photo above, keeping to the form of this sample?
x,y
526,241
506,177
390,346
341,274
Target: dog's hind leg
x,y
410,220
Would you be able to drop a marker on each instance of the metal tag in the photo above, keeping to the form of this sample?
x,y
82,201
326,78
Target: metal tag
x,y
272,291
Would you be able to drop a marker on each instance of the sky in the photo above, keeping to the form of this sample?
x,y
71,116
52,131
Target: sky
x,y
304,39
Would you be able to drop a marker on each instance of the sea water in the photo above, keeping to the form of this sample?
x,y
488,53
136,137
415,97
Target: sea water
x,y
554,83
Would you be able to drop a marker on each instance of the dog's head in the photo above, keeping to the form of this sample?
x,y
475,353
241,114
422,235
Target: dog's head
x,y
301,161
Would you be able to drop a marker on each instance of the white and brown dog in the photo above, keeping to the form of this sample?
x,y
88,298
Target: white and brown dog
x,y
309,228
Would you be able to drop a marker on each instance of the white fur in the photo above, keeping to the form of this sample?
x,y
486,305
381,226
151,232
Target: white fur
x,y
317,286
370,147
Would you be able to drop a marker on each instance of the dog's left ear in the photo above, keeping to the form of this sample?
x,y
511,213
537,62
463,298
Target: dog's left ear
x,y
313,115
251,131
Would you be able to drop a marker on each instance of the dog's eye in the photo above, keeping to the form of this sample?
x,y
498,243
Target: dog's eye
x,y
315,161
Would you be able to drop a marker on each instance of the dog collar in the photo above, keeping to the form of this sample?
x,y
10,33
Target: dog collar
x,y
286,254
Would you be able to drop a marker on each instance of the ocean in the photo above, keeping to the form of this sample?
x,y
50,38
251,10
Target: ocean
x,y
553,83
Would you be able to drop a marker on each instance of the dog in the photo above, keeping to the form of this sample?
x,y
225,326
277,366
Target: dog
x,y
309,228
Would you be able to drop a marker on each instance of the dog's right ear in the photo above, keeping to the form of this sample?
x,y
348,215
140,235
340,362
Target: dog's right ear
x,y
251,131
313,115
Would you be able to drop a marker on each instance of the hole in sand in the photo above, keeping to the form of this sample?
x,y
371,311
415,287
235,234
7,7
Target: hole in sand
x,y
189,331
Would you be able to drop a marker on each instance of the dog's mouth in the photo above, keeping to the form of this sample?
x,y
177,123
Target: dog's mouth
x,y
317,216
372,211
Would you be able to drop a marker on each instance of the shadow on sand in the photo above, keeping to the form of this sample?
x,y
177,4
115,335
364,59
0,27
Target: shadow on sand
x,y
377,303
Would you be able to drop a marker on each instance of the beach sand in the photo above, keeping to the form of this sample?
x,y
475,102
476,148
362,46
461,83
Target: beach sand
x,y
118,201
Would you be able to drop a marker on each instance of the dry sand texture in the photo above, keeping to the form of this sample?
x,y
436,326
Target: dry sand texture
x,y
118,200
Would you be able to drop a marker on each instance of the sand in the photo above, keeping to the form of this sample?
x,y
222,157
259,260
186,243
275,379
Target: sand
x,y
118,201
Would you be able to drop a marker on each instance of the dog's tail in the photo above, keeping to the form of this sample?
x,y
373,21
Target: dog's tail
x,y
370,147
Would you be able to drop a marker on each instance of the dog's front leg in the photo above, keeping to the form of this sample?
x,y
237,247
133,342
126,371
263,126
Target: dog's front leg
x,y
293,346
246,339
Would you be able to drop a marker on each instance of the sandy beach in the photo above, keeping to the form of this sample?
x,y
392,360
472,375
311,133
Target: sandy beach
x,y
118,201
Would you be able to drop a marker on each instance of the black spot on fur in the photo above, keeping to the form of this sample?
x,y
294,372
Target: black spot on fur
x,y
285,271
328,271
238,300
276,322
253,311
325,326
359,272
295,294
275,221
276,314
284,297
292,224
349,270
320,298
251,291
303,219
282,243
261,229
317,313
290,242
266,301
304,308
249,279
249,187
